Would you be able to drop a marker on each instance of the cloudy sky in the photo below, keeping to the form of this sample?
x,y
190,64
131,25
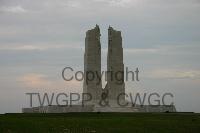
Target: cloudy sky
x,y
38,38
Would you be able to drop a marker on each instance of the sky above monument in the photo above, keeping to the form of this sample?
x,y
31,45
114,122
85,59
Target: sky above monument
x,y
39,38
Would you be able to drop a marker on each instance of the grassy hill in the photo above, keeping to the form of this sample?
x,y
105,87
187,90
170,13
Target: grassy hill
x,y
101,123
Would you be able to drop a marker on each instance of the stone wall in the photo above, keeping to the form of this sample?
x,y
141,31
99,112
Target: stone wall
x,y
92,108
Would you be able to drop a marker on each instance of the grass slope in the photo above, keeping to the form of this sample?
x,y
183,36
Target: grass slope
x,y
101,123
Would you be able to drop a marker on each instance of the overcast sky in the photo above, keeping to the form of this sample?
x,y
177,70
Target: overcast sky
x,y
38,38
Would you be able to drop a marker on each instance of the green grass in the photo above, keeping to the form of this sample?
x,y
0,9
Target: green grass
x,y
101,123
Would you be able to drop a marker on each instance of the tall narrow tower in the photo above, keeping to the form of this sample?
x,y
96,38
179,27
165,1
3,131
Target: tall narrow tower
x,y
115,67
92,64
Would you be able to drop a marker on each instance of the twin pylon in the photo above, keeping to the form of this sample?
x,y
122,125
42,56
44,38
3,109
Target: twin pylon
x,y
115,67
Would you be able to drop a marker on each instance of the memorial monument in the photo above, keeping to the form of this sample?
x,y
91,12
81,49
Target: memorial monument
x,y
113,92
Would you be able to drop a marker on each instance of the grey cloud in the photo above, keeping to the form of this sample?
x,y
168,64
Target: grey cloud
x,y
14,9
43,36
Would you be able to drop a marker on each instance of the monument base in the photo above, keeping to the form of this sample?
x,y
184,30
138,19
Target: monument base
x,y
93,108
